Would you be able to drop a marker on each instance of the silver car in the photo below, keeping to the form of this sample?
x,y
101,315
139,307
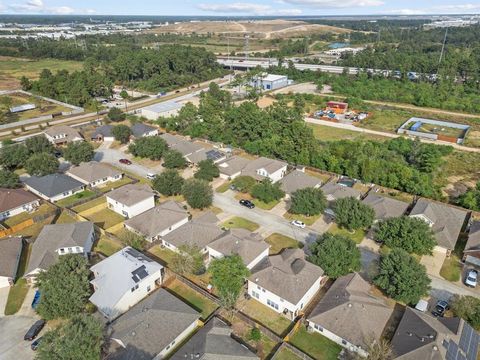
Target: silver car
x,y
471,278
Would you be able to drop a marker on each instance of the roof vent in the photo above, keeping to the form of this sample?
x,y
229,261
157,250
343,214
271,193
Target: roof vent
x,y
256,279
134,333
435,347
409,333
350,305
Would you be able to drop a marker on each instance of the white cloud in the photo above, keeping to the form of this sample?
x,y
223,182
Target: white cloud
x,y
336,3
39,7
247,8
438,9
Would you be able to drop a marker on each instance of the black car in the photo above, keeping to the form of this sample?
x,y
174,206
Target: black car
x,y
34,330
247,203
35,344
440,308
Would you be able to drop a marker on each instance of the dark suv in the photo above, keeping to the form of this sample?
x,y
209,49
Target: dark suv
x,y
440,308
34,330
247,203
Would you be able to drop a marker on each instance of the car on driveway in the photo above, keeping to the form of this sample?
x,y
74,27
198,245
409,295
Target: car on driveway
x,y
471,278
125,161
35,344
440,308
247,203
34,330
151,176
298,223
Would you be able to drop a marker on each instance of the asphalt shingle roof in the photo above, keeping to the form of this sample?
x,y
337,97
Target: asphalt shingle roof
x,y
335,191
140,129
297,180
14,198
385,207
93,171
131,194
104,130
473,242
233,165
53,184
10,251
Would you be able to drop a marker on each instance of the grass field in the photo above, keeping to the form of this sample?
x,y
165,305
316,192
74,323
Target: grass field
x,y
237,222
64,218
436,129
285,354
17,219
71,200
308,220
451,269
279,242
261,313
105,218
356,236
328,133
107,246
12,69
315,345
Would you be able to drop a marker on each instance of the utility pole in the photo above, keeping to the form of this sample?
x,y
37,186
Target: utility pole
x,y
443,46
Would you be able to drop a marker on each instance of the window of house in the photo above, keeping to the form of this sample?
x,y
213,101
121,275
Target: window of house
x,y
148,288
62,251
318,327
259,288
272,304
344,342
255,294
132,289
79,249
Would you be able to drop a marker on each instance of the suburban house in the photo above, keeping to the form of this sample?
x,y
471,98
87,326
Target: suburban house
x,y
59,239
471,253
421,336
334,191
158,221
446,222
213,341
103,133
16,201
162,109
350,314
131,200
206,154
232,167
152,328
297,180
122,280
198,232
62,135
94,173
142,130
182,145
385,207
263,168
249,246
53,187
285,282
10,253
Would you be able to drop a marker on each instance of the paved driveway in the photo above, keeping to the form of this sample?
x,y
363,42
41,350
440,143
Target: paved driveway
x,y
12,330
3,299
112,156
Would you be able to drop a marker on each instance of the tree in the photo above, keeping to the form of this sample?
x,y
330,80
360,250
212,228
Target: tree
x,y
41,164
65,287
402,277
81,337
337,255
352,214
198,193
188,260
308,201
124,94
207,170
121,133
228,276
410,234
78,152
133,240
267,191
468,308
471,198
255,334
13,156
115,114
379,349
38,144
150,147
244,183
168,183
173,159
8,179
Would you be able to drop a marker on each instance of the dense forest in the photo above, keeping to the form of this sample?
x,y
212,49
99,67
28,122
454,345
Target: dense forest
x,y
279,131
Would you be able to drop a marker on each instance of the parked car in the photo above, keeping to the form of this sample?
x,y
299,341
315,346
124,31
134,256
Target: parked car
x,y
151,176
247,203
440,308
471,278
422,305
298,223
34,330
58,154
36,299
125,161
35,344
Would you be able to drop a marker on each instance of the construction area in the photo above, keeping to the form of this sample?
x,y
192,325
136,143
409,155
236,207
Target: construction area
x,y
435,130
337,111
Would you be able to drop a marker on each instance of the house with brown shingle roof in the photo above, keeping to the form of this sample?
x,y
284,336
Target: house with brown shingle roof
x,y
286,282
385,207
350,315
297,180
131,200
62,134
10,253
471,252
94,173
16,201
263,168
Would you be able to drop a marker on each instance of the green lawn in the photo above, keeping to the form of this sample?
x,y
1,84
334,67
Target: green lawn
x,y
115,184
17,219
265,206
195,299
164,255
315,345
286,354
356,236
64,218
16,296
106,246
308,220
451,269
261,313
71,200
105,218
224,187
237,222
329,133
89,205
279,242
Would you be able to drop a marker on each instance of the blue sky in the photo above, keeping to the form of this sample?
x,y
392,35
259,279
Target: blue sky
x,y
240,7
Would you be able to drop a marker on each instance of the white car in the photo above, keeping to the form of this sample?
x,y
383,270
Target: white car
x,y
471,278
151,176
298,223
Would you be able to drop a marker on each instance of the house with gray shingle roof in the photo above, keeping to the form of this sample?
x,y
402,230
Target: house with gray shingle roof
x,y
103,133
182,145
16,201
350,314
158,221
122,280
53,187
62,134
143,130
297,180
286,282
334,191
10,253
214,342
94,173
152,328
471,252
56,240
131,200
263,168
232,167
249,246
385,207
446,222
